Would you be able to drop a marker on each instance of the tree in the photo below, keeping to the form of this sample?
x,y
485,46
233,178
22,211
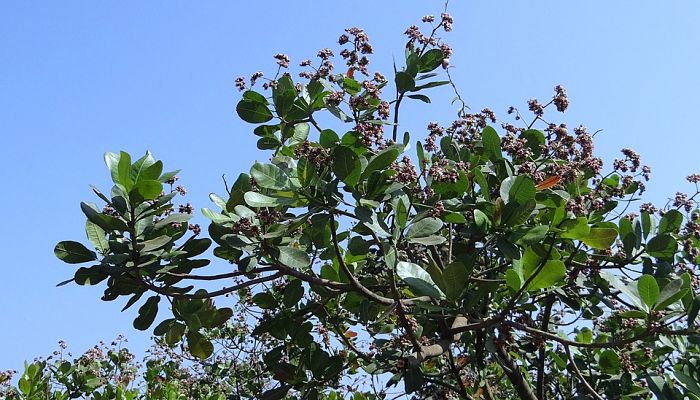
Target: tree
x,y
499,266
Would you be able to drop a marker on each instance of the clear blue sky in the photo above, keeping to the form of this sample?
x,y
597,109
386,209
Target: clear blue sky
x,y
80,78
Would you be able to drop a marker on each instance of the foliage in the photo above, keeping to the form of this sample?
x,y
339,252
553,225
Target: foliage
x,y
502,265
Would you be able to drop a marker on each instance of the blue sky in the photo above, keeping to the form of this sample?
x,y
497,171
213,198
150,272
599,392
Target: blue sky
x,y
83,77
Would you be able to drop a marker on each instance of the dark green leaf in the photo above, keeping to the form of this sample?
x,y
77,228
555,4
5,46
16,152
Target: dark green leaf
x,y
147,313
265,300
293,293
381,160
456,277
104,221
404,82
662,246
283,95
671,222
253,112
328,138
609,362
73,252
430,85
492,144
90,276
430,60
199,346
421,97
346,165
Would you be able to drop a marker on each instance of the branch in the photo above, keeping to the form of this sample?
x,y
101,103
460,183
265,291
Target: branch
x,y
219,276
595,345
512,371
353,279
580,376
441,346
216,293
546,314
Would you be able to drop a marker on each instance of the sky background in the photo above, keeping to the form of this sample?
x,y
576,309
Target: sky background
x,y
78,78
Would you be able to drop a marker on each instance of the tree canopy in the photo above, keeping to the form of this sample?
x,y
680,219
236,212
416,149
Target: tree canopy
x,y
487,261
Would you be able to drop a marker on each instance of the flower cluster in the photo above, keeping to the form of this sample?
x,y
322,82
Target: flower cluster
x,y
406,171
245,226
356,58
370,133
316,155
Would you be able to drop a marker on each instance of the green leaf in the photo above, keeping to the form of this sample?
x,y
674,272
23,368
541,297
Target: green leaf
x,y
283,95
428,240
421,97
269,176
424,227
253,112
73,252
648,289
170,219
671,293
609,362
97,237
199,346
671,222
532,235
346,165
119,166
519,189
456,277
294,258
301,133
452,189
418,279
90,276
690,383
328,138
265,300
628,290
534,140
430,85
575,229
154,244
600,238
148,189
351,86
138,170
430,60
492,144
381,160
293,293
662,246
404,82
255,199
147,313
693,311
513,280
552,272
